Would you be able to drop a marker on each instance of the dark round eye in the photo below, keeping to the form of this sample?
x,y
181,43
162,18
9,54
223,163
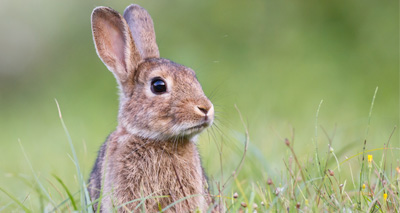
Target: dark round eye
x,y
158,86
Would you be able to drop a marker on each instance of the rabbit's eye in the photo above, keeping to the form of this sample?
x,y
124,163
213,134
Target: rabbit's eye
x,y
158,86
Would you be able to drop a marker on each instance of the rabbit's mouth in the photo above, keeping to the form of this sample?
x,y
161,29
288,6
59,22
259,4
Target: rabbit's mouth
x,y
196,129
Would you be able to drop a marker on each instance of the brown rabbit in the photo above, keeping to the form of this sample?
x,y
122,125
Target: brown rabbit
x,y
151,155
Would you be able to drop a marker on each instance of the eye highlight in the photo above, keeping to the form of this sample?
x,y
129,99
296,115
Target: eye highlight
x,y
158,86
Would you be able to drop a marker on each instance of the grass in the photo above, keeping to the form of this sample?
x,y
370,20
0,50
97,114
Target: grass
x,y
275,59
313,183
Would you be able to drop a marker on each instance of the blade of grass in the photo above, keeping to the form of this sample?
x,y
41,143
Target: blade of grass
x,y
5,206
246,145
251,200
44,191
34,187
365,142
67,191
63,202
316,139
84,192
15,200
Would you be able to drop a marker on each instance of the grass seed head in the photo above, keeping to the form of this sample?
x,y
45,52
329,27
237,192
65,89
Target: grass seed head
x,y
278,191
287,142
255,206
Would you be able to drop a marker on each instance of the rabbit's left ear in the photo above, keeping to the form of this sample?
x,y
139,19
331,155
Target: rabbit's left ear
x,y
142,29
114,43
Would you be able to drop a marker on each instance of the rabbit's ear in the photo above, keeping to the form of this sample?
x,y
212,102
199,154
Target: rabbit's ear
x,y
114,43
142,29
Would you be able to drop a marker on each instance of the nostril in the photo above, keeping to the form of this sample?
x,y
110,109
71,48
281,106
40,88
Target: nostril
x,y
204,110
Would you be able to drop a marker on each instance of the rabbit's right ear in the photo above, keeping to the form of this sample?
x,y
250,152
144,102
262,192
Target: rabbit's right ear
x,y
142,29
114,43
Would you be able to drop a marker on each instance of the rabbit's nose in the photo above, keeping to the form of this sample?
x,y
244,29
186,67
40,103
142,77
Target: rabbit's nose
x,y
203,109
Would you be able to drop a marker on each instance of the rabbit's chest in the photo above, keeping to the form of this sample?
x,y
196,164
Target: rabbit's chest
x,y
158,173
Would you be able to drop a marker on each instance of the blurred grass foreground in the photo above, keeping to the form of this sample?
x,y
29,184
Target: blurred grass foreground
x,y
275,60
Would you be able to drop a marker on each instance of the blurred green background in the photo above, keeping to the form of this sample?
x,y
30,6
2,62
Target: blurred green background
x,y
275,59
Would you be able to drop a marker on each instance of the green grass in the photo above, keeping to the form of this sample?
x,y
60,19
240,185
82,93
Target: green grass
x,y
367,181
275,59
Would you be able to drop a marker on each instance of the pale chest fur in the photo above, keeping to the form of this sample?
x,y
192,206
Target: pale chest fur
x,y
137,168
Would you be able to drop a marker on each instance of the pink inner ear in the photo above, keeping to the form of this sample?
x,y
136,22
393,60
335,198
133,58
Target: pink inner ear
x,y
116,43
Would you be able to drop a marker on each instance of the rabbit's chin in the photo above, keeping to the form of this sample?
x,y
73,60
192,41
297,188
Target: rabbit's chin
x,y
194,130
189,132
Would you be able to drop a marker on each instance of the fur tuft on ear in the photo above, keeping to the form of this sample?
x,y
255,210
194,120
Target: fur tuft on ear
x,y
114,43
142,29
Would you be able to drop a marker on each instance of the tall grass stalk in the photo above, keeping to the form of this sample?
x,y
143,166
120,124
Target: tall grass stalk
x,y
43,190
84,198
365,143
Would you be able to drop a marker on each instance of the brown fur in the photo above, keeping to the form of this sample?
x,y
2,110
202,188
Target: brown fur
x,y
136,167
152,153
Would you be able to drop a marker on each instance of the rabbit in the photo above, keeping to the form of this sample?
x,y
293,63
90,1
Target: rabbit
x,y
152,154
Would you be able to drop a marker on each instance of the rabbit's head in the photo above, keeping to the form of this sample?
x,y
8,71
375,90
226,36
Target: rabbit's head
x,y
159,98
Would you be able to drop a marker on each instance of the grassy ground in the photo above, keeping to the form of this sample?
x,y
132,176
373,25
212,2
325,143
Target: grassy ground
x,y
323,180
276,60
